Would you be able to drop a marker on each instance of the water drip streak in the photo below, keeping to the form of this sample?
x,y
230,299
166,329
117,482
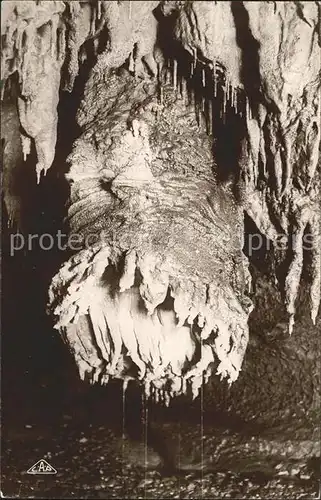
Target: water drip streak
x,y
179,455
202,434
145,410
123,425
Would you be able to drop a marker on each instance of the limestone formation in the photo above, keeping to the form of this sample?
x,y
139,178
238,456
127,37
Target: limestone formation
x,y
193,113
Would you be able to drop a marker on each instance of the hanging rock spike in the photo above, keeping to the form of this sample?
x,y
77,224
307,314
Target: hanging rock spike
x,y
3,86
247,111
215,78
194,58
54,28
96,45
203,104
99,10
183,88
210,116
224,100
19,40
93,21
26,146
175,74
232,97
30,34
61,43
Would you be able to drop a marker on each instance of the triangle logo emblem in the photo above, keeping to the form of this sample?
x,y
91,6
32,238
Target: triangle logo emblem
x,y
42,467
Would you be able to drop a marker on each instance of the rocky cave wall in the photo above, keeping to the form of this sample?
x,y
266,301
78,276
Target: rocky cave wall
x,y
192,114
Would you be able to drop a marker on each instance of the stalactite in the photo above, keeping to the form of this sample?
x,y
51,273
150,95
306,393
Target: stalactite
x,y
224,103
215,78
99,10
156,360
233,91
61,43
54,30
236,103
272,142
203,104
96,45
293,277
285,151
131,63
93,21
210,117
19,40
161,94
26,146
315,290
130,9
175,74
194,58
312,146
183,88
30,35
2,90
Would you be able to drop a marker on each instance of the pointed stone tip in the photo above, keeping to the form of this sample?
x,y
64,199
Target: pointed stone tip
x,y
291,325
314,317
39,170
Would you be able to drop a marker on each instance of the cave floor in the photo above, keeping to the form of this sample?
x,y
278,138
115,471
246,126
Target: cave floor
x,y
93,460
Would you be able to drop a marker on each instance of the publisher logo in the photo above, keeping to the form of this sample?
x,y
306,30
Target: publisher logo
x,y
42,467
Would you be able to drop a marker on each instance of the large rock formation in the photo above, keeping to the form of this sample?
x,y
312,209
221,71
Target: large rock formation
x,y
193,113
